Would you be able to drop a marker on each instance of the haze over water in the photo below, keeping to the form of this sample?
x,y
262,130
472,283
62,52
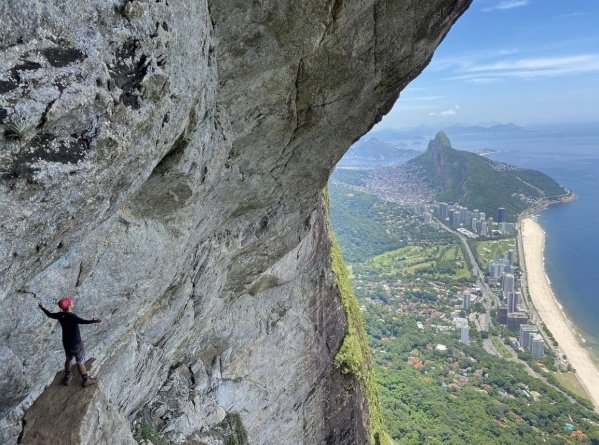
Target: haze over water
x,y
572,244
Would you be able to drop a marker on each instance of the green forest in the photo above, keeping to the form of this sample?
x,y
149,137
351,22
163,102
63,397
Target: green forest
x,y
463,395
432,388
367,226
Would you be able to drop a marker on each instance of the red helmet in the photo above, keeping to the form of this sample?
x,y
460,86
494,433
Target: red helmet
x,y
65,302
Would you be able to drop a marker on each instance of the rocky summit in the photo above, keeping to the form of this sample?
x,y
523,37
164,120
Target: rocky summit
x,y
163,162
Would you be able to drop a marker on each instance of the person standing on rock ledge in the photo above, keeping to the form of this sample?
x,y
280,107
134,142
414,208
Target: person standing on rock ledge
x,y
71,339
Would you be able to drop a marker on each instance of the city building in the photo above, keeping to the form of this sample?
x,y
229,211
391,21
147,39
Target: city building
x,y
497,268
500,215
465,216
515,319
510,256
466,300
513,301
507,283
505,228
537,347
454,218
465,335
443,210
502,313
484,228
526,330
462,324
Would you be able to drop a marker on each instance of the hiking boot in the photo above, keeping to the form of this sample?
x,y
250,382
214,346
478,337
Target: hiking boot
x,y
66,378
90,381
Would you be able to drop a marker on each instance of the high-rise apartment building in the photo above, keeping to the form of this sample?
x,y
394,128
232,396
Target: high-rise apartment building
x,y
526,330
484,228
465,335
513,301
537,347
507,283
500,215
515,320
510,256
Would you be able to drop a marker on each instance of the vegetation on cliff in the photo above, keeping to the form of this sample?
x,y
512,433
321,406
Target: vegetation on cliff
x,y
353,356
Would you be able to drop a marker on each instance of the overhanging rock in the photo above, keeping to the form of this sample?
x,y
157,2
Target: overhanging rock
x,y
164,161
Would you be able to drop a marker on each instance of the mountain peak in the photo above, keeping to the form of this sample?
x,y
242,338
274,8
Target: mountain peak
x,y
476,182
442,139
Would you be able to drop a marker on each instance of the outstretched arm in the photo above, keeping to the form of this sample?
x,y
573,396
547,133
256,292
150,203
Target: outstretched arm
x,y
47,312
80,320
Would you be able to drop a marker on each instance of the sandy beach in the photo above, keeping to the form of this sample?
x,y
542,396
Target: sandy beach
x,y
548,308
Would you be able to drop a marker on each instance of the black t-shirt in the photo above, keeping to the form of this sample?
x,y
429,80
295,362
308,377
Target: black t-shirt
x,y
69,322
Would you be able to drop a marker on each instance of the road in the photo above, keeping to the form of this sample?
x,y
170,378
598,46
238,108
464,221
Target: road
x,y
532,372
489,296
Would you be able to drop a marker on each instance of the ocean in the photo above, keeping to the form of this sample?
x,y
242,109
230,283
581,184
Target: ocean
x,y
572,238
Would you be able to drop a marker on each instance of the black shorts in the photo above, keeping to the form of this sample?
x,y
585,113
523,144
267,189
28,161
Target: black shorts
x,y
77,351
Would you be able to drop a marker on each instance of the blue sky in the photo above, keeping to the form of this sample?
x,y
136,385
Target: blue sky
x,y
520,61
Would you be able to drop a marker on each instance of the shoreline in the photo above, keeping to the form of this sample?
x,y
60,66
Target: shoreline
x,y
550,310
546,202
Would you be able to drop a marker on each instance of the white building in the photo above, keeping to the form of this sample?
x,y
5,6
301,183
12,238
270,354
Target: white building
x,y
507,283
526,330
465,335
537,347
466,300
484,228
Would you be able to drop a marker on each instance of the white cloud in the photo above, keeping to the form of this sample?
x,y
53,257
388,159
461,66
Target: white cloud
x,y
508,52
530,68
453,111
506,4
538,63
464,61
571,15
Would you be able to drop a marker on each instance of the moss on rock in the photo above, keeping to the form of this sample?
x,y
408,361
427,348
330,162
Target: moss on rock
x,y
353,357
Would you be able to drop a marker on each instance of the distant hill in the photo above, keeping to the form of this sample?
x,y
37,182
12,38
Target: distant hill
x,y
461,130
375,152
416,134
479,183
367,226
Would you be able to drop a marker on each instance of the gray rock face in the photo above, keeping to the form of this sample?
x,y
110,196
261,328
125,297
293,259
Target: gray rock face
x,y
163,161
72,414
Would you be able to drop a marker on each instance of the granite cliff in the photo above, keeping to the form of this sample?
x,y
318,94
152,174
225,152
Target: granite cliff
x,y
164,161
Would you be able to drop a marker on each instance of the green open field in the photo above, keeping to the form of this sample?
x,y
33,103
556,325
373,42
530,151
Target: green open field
x,y
440,261
570,382
487,250
499,346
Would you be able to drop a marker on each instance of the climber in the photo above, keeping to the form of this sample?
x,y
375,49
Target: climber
x,y
71,339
